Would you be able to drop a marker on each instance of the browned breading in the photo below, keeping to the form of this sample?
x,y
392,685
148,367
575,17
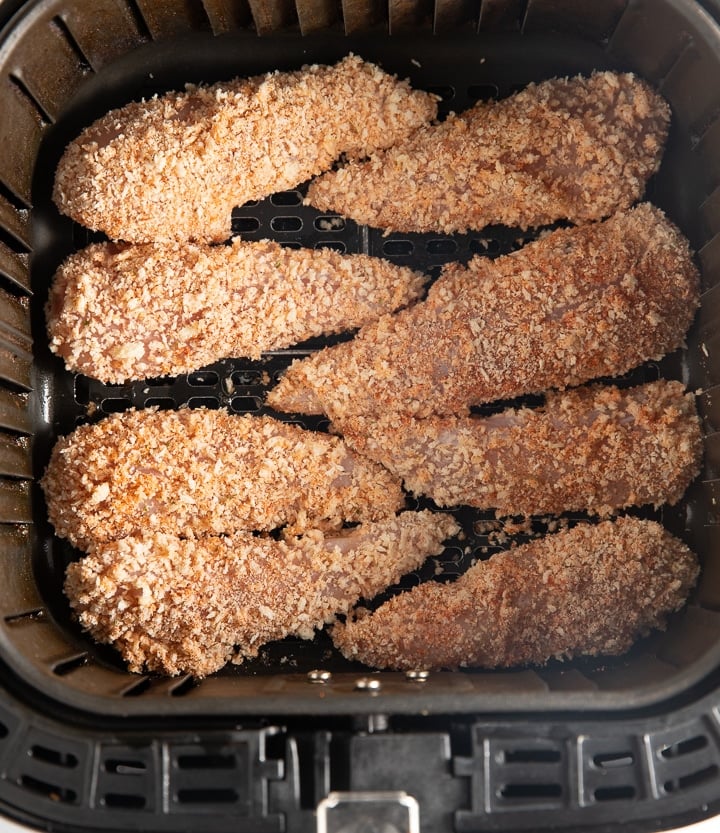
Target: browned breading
x,y
174,605
597,449
577,149
119,312
173,167
200,472
587,590
577,304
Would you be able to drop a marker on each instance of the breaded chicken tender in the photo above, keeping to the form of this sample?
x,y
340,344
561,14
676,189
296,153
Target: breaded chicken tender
x,y
587,590
122,312
189,606
594,449
576,304
204,472
174,167
576,149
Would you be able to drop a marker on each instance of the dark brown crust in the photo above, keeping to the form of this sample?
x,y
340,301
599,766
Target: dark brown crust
x,y
174,167
597,449
188,606
577,149
587,590
577,304
134,312
202,472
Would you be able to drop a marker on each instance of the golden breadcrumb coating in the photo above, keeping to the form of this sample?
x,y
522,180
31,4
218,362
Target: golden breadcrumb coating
x,y
577,149
587,590
201,472
596,449
174,167
579,303
189,606
118,312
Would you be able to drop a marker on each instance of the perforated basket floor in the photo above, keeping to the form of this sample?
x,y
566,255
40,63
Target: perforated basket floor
x,y
84,744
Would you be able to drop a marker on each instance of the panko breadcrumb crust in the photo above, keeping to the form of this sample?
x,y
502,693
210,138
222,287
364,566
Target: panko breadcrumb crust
x,y
189,606
577,149
174,167
592,589
596,449
121,312
204,472
576,304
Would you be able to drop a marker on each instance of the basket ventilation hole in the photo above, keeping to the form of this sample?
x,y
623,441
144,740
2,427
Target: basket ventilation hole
x,y
286,224
183,687
691,780
124,801
67,666
207,796
4,731
532,756
138,688
204,402
51,791
245,224
206,761
398,247
484,246
163,402
286,198
446,93
482,92
329,223
521,791
243,404
441,247
204,378
335,245
685,747
118,766
247,377
614,793
37,615
115,404
613,760
53,756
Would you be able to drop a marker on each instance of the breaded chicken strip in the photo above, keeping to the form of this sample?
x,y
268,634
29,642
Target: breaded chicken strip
x,y
587,590
189,606
119,312
577,149
174,167
595,449
579,303
203,472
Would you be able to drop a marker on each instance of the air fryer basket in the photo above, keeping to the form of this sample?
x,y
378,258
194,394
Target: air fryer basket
x,y
86,745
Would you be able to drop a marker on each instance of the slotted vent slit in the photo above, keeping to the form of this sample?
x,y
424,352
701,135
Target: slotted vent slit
x,y
617,793
71,664
53,756
685,747
532,756
245,225
23,90
124,801
522,791
210,761
139,19
222,795
60,24
398,247
286,223
51,791
692,779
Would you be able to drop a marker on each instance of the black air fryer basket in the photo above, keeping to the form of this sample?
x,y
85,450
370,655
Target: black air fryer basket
x,y
85,745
